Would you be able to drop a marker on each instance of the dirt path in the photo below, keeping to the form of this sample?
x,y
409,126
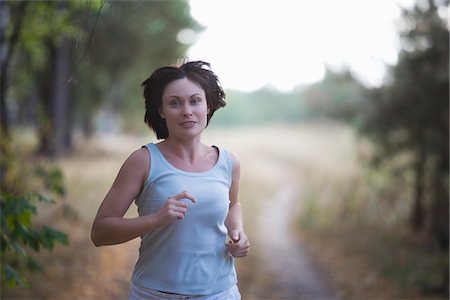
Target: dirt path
x,y
289,272
285,269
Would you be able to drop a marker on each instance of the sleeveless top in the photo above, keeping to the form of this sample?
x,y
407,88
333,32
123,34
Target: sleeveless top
x,y
186,256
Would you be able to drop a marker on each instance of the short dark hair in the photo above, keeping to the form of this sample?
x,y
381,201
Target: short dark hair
x,y
196,71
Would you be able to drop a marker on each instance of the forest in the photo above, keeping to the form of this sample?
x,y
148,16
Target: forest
x,y
70,84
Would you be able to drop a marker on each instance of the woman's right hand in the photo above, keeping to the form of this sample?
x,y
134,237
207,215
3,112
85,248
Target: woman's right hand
x,y
174,208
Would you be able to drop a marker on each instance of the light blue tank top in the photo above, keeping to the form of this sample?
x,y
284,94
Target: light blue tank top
x,y
186,256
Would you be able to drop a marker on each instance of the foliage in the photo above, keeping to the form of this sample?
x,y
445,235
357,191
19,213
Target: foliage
x,y
129,41
338,96
398,115
19,234
75,57
410,114
43,24
38,77
265,105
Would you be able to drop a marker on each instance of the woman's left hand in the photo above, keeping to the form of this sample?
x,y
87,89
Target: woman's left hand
x,y
239,244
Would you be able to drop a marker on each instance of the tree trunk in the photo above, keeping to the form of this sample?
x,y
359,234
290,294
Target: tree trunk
x,y
71,96
45,128
4,128
439,213
60,96
7,48
440,203
55,133
417,214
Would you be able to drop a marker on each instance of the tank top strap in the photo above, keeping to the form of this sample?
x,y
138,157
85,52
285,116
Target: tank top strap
x,y
155,161
225,155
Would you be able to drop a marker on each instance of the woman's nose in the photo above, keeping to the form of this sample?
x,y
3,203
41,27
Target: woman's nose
x,y
187,110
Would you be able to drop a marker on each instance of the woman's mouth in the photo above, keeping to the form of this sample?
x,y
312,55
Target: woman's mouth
x,y
187,124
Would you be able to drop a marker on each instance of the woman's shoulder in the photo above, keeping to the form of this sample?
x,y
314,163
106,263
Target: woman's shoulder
x,y
140,154
138,160
235,161
231,154
233,158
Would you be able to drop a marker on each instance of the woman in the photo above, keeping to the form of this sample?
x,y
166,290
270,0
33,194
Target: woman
x,y
186,193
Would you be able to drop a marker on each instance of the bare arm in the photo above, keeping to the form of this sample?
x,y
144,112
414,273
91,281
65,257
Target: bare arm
x,y
110,227
234,221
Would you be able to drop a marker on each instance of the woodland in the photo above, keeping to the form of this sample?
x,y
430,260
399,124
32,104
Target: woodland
x,y
71,72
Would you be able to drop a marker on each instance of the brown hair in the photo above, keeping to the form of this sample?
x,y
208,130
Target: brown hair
x,y
196,71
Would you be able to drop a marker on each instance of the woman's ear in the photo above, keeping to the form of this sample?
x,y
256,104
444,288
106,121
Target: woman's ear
x,y
161,113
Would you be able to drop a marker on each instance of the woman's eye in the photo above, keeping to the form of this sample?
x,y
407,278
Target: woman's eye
x,y
174,103
196,100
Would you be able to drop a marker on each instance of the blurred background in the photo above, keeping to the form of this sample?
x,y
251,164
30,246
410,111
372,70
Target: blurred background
x,y
339,111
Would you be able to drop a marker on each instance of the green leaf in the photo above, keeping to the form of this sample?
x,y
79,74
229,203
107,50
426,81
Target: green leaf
x,y
4,242
34,241
50,235
41,198
18,250
33,265
24,218
12,277
53,179
10,222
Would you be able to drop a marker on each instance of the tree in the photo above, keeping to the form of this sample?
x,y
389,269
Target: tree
x,y
131,39
8,44
39,37
338,96
72,57
17,200
410,113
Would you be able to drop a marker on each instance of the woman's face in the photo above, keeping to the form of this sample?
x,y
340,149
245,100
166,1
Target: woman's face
x,y
184,108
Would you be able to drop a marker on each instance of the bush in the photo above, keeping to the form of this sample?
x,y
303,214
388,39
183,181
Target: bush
x,y
19,234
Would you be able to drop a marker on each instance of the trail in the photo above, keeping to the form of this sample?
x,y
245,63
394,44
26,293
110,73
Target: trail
x,y
285,268
279,265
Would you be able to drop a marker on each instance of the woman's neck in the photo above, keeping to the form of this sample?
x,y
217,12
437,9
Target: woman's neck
x,y
187,150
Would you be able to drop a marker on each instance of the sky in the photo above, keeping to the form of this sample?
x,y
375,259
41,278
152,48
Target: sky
x,y
254,43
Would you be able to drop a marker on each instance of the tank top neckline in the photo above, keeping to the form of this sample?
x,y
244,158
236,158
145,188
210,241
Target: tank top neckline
x,y
180,171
